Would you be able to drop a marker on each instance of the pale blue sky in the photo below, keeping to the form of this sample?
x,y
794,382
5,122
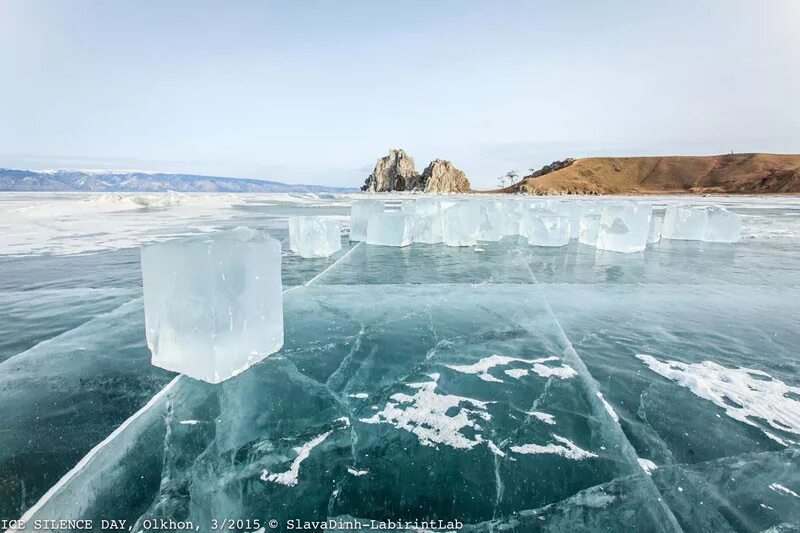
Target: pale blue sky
x,y
302,91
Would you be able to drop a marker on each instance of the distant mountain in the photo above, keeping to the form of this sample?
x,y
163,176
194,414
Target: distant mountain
x,y
138,181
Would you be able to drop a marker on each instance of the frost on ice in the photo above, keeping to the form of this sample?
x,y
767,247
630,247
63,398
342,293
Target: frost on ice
x,y
213,303
745,394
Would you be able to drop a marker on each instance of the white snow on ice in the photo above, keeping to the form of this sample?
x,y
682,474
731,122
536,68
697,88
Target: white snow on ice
x,y
424,414
289,478
744,393
482,367
567,448
544,417
647,465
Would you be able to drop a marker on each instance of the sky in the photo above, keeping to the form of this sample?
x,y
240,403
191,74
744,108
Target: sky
x,y
314,92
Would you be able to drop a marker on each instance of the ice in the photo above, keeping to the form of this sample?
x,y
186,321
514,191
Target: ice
x,y
493,222
748,395
511,212
314,236
589,229
543,229
565,447
683,222
428,224
656,226
428,414
289,477
392,228
624,228
360,214
572,210
250,446
723,226
461,223
482,367
213,304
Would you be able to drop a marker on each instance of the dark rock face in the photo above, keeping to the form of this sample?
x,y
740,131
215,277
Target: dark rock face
x,y
394,172
441,176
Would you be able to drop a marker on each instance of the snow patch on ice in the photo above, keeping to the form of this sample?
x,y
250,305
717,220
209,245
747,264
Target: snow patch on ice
x,y
359,395
424,414
647,465
567,448
745,394
289,478
482,367
494,449
544,417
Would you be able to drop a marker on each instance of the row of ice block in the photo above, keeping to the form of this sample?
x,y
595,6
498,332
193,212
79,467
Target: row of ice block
x,y
620,227
213,304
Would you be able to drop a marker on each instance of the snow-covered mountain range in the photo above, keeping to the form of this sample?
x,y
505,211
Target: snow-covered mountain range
x,y
141,181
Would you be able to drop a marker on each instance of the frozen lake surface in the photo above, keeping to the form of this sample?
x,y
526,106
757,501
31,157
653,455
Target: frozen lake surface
x,y
510,387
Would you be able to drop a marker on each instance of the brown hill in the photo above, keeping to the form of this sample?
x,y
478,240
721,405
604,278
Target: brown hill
x,y
734,173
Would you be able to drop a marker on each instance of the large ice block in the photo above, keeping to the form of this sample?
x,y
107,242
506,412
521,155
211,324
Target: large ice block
x,y
428,224
572,210
393,228
624,228
546,230
684,222
512,215
314,236
492,224
589,229
723,226
656,226
213,303
360,213
461,224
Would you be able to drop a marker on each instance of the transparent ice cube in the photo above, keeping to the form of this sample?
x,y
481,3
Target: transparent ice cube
x,y
213,303
624,228
360,213
393,228
314,236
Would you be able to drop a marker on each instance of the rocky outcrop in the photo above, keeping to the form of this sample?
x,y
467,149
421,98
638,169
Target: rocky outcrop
x,y
394,172
441,176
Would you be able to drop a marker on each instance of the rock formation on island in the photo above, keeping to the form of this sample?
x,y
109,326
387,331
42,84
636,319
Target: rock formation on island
x,y
395,172
442,176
